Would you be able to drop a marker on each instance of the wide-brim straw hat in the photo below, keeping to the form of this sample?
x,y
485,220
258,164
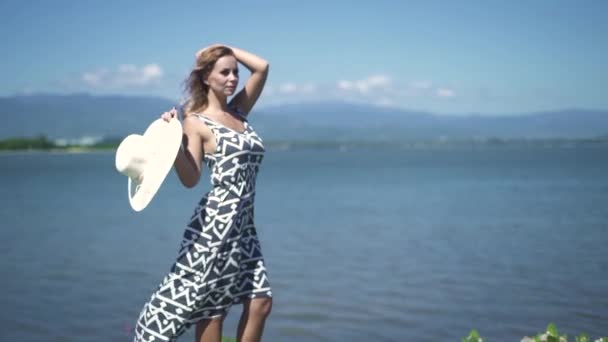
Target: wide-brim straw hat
x,y
147,159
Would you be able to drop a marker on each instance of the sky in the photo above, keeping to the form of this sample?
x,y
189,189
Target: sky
x,y
447,57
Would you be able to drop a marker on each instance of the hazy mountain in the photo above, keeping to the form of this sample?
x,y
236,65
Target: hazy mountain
x,y
77,115
365,121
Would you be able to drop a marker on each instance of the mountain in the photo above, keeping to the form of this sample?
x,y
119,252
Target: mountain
x,y
366,121
78,115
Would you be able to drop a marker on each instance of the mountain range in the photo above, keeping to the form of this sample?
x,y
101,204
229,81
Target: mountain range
x,y
84,115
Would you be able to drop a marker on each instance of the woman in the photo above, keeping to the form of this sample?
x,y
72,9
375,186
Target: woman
x,y
220,261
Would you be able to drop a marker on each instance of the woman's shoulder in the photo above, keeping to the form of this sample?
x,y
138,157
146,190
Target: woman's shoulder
x,y
193,124
191,119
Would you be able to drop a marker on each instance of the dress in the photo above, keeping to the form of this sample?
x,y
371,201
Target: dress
x,y
219,262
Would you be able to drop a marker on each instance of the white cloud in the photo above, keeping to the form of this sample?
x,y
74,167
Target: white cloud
x,y
125,76
94,78
152,71
293,88
378,81
445,92
426,89
345,85
366,85
288,88
375,89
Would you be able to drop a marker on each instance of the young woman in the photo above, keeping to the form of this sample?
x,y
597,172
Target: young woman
x,y
220,262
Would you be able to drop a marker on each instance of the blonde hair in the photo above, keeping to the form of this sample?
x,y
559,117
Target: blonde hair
x,y
195,87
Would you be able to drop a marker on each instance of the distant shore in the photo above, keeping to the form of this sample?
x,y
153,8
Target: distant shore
x,y
43,144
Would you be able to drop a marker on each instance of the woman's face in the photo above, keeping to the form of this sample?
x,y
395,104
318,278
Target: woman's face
x,y
224,77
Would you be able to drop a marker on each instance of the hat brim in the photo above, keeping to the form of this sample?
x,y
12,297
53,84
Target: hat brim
x,y
163,139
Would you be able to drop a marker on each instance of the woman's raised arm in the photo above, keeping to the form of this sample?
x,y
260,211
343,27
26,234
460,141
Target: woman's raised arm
x,y
259,67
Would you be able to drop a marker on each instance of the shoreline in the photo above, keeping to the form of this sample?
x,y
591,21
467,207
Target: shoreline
x,y
352,145
56,151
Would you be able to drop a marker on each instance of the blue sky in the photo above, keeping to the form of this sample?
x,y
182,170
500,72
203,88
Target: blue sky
x,y
448,57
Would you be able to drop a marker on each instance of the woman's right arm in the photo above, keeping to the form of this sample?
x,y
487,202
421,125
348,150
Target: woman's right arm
x,y
189,158
190,155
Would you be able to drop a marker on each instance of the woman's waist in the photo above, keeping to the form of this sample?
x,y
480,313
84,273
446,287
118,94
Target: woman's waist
x,y
231,191
233,181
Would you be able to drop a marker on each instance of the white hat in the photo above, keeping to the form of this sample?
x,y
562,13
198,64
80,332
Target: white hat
x,y
147,159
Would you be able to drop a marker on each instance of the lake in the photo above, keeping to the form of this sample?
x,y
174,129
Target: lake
x,y
368,244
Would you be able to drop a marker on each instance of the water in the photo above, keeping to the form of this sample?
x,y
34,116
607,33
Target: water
x,y
361,245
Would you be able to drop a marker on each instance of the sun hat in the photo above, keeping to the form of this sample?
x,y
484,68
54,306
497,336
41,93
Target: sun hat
x,y
147,159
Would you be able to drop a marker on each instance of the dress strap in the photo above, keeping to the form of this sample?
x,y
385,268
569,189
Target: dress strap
x,y
205,119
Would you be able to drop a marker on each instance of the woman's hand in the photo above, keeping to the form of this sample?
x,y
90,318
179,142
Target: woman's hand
x,y
168,116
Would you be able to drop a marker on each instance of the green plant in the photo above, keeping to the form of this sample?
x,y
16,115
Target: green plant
x,y
473,337
553,335
550,335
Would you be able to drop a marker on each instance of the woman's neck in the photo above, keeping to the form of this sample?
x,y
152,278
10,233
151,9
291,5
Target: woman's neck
x,y
216,104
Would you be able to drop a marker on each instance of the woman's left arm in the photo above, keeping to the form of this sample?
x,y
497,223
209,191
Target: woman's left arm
x,y
248,96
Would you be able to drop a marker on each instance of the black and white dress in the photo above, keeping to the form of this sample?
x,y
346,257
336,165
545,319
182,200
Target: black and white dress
x,y
220,262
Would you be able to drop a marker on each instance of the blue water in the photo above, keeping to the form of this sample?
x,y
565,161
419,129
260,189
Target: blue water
x,y
361,245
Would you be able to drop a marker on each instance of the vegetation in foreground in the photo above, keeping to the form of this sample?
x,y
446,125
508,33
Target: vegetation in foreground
x,y
551,335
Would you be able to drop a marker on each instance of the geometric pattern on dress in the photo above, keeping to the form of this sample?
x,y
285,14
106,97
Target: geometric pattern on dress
x,y
219,262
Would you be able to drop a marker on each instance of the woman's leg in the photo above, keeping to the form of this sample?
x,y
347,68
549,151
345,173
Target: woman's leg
x,y
251,325
165,315
209,330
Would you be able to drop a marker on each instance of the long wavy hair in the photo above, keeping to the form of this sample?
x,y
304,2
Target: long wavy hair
x,y
195,88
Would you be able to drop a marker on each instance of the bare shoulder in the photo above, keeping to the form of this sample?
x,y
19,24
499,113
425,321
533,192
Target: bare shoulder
x,y
192,125
197,130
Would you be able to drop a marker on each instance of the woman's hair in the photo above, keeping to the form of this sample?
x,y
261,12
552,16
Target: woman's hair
x,y
195,87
